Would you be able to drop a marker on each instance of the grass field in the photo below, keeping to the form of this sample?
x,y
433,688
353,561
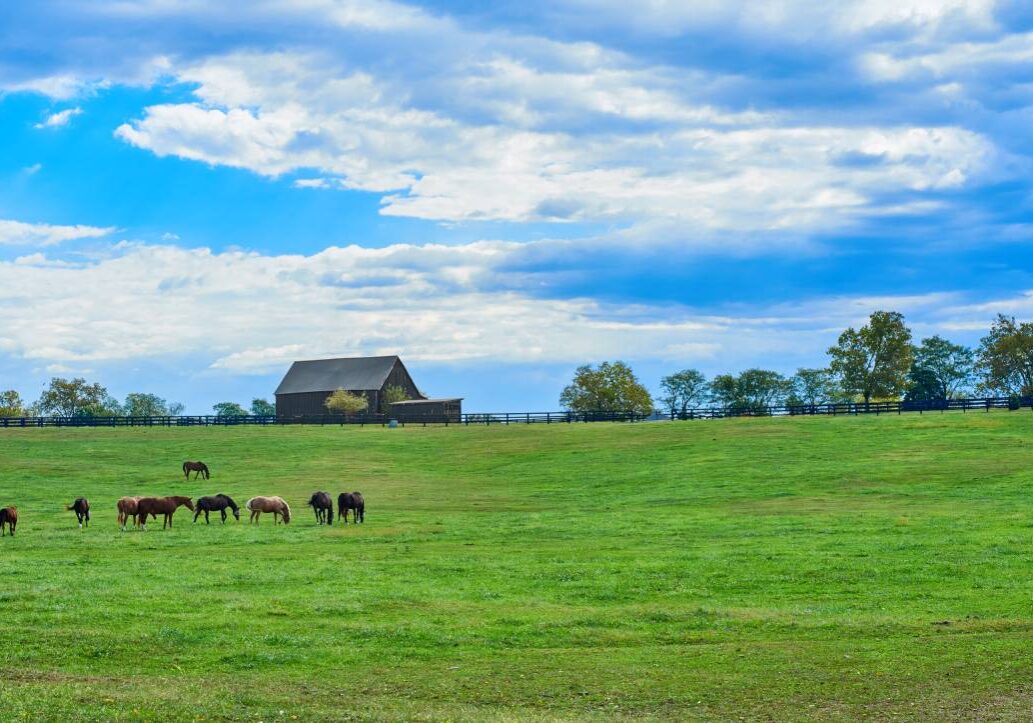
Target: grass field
x,y
776,569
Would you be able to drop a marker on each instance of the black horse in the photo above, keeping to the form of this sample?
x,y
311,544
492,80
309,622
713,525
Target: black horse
x,y
351,501
323,506
218,503
82,511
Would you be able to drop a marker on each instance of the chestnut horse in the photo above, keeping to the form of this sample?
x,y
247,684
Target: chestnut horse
x,y
9,517
165,506
82,511
126,509
351,501
198,468
323,506
257,505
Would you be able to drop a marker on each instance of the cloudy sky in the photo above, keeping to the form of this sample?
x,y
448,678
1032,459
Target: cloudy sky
x,y
193,194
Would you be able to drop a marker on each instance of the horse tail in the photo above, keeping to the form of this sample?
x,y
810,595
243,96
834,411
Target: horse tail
x,y
248,504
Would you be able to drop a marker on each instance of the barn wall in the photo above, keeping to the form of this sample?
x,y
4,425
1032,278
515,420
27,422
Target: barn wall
x,y
436,411
301,405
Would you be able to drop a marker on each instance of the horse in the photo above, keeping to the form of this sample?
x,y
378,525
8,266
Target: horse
x,y
126,509
257,505
217,503
323,506
165,506
9,517
351,501
198,468
82,511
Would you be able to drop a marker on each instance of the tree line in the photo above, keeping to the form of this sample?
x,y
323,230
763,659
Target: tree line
x,y
877,362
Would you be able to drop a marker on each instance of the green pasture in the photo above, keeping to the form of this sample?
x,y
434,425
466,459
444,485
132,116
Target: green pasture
x,y
773,569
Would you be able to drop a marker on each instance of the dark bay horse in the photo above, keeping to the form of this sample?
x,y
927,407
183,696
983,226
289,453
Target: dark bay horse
x,y
9,517
198,468
351,501
323,506
165,506
257,505
82,511
126,509
216,503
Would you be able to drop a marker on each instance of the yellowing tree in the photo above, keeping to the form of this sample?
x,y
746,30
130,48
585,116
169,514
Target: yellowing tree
x,y
344,402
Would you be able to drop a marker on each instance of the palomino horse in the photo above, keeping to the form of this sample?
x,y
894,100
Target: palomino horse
x,y
198,468
351,501
323,506
126,509
257,505
165,506
82,511
216,503
9,517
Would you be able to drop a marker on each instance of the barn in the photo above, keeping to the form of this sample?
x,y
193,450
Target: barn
x,y
307,384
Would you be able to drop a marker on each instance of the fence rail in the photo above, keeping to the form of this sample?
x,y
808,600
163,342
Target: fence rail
x,y
983,404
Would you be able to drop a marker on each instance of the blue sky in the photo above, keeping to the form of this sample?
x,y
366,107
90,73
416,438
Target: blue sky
x,y
194,194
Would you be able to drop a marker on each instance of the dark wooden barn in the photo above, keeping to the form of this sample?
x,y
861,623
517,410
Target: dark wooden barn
x,y
308,383
436,410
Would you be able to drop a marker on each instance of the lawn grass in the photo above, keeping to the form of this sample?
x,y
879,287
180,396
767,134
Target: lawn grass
x,y
868,567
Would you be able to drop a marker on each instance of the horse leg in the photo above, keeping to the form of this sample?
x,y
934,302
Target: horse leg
x,y
223,511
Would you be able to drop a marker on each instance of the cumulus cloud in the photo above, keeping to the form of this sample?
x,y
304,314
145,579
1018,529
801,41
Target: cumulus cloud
x,y
19,233
59,119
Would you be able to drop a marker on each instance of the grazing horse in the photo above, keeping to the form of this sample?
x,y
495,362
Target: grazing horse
x,y
351,501
217,503
9,517
198,468
323,506
82,511
257,505
165,506
126,509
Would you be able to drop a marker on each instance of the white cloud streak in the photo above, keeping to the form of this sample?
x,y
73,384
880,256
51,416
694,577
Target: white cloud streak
x,y
59,119
19,233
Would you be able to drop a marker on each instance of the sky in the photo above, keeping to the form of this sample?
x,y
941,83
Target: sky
x,y
195,194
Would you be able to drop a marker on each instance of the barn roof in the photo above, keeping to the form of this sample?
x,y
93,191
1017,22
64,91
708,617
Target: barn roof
x,y
326,375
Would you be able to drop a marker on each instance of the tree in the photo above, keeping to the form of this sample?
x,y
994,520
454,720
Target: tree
x,y
1005,358
392,393
949,367
229,409
344,402
148,405
610,388
874,361
813,386
683,390
175,409
11,404
263,408
753,390
923,386
76,398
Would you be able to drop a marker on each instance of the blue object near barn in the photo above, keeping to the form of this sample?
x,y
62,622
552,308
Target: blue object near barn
x,y
392,424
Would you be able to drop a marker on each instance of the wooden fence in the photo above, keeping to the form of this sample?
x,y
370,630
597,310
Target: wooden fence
x,y
981,404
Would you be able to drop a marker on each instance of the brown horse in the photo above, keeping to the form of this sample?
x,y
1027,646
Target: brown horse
x,y
257,505
9,517
198,468
323,506
82,511
166,506
351,501
126,509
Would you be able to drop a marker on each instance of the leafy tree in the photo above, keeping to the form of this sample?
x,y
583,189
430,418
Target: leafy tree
x,y
753,390
229,409
11,404
1005,358
175,409
874,361
263,408
76,398
344,402
813,386
949,367
392,393
923,385
612,387
148,405
682,390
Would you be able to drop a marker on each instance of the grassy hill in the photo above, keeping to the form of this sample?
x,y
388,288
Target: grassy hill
x,y
782,568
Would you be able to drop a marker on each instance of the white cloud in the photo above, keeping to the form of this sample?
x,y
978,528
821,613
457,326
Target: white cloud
x,y
19,233
33,169
59,119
